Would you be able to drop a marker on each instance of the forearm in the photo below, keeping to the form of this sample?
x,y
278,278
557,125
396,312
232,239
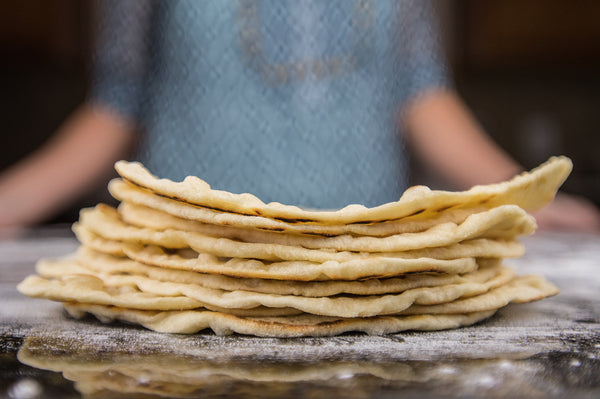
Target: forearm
x,y
81,152
444,133
446,136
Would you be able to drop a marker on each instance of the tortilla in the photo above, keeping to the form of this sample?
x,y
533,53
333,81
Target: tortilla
x,y
190,322
521,289
93,263
182,257
504,221
89,289
477,248
129,194
530,191
97,243
354,269
144,293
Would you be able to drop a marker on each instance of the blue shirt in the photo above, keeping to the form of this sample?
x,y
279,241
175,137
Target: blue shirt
x,y
294,101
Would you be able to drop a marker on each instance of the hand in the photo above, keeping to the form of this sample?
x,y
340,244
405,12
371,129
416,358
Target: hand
x,y
569,213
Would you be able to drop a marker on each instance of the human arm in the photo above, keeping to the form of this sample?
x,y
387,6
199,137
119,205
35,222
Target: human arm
x,y
80,154
445,135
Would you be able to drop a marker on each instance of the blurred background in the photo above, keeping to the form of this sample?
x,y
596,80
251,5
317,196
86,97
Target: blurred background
x,y
529,70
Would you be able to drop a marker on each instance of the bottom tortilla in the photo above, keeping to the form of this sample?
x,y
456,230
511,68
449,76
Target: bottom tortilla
x,y
192,321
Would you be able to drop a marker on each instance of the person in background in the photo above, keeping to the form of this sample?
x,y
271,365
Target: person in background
x,y
307,103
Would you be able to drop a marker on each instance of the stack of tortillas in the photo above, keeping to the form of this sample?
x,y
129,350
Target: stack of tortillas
x,y
181,257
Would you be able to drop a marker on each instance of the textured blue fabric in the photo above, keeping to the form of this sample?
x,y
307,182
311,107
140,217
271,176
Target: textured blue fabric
x,y
293,101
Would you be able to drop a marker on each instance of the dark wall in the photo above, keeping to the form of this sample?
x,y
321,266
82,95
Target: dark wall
x,y
43,47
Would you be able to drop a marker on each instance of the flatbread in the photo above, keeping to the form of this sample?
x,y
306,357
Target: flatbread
x,y
530,191
92,240
154,218
130,194
190,322
503,221
89,289
143,293
182,257
353,269
521,289
477,248
90,262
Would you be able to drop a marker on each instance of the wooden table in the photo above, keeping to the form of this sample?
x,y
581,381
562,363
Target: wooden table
x,y
549,348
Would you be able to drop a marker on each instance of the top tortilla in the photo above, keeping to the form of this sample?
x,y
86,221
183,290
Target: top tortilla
x,y
530,190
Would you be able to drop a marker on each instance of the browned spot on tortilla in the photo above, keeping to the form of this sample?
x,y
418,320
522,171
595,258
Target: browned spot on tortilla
x,y
363,222
323,323
378,221
416,213
294,220
488,199
371,278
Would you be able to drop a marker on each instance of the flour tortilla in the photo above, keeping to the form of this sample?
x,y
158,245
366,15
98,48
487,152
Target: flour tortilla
x,y
477,248
530,191
144,216
92,240
128,193
503,221
90,262
523,289
131,195
190,322
143,293
358,268
89,289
